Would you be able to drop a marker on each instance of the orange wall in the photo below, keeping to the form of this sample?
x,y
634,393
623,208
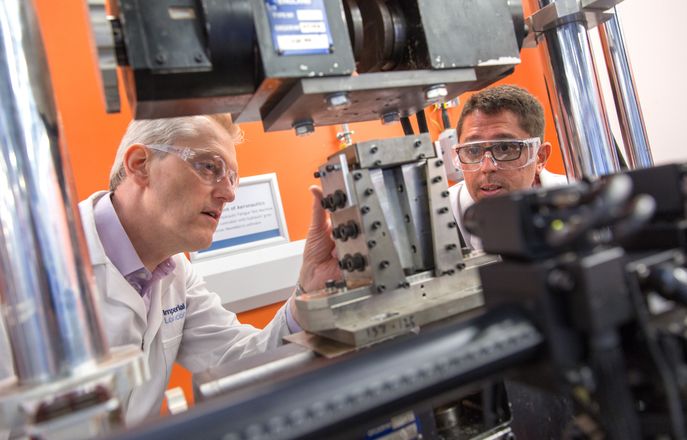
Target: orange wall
x,y
92,136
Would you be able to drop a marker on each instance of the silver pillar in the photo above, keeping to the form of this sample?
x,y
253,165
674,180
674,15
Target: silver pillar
x,y
626,101
578,109
47,290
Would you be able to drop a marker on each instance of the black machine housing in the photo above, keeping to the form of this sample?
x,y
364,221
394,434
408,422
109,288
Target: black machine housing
x,y
183,57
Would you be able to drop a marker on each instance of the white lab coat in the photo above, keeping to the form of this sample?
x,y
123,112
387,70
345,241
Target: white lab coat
x,y
194,329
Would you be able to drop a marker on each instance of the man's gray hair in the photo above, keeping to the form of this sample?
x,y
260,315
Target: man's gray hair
x,y
166,131
496,99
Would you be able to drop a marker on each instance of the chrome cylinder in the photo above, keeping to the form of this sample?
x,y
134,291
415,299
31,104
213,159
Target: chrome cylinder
x,y
47,290
632,126
578,109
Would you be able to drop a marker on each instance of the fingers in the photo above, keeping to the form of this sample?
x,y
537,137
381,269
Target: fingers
x,y
319,216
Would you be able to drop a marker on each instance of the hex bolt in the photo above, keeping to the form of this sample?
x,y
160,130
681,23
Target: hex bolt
x,y
338,100
417,143
371,244
451,246
369,191
330,168
384,264
331,202
357,176
436,179
404,285
341,233
381,288
350,264
316,174
436,93
350,229
391,117
364,209
339,199
451,225
304,128
160,58
444,194
460,266
374,149
358,262
376,225
421,156
443,210
198,57
439,163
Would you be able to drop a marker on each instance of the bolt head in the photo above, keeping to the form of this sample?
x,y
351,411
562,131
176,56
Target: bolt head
x,y
436,93
338,100
390,118
304,128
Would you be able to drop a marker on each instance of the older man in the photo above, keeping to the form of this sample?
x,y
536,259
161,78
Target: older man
x,y
500,149
169,183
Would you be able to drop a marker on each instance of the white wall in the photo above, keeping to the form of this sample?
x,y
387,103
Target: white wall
x,y
656,41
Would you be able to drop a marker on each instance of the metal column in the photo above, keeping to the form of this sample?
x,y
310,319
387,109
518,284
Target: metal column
x,y
47,290
626,99
581,121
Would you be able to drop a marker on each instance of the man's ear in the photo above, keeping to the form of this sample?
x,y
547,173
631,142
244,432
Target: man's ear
x,y
137,163
543,156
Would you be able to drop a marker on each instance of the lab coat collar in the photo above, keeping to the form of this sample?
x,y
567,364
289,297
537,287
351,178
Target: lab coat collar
x,y
114,286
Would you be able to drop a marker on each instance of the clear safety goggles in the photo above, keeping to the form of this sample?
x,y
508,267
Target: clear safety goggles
x,y
210,167
505,154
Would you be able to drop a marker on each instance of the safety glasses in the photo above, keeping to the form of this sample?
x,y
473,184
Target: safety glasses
x,y
505,154
210,167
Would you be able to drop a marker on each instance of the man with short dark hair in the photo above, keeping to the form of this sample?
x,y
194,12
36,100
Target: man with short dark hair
x,y
500,149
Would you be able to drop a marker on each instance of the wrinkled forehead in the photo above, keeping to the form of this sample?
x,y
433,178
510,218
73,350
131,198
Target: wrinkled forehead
x,y
212,139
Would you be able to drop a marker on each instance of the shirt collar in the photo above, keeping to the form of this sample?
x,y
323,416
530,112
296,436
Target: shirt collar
x,y
116,243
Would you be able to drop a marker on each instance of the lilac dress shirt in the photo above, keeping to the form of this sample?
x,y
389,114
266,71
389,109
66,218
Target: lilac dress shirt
x,y
121,252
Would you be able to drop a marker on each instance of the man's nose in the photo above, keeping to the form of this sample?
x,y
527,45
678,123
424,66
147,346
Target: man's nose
x,y
225,190
488,163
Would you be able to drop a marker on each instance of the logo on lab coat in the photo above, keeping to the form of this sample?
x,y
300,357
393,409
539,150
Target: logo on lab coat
x,y
174,314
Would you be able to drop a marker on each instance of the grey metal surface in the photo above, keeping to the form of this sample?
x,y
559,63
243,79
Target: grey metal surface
x,y
372,95
396,241
636,141
107,63
386,191
469,33
47,288
385,266
448,256
580,117
123,369
412,184
252,370
360,317
389,152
